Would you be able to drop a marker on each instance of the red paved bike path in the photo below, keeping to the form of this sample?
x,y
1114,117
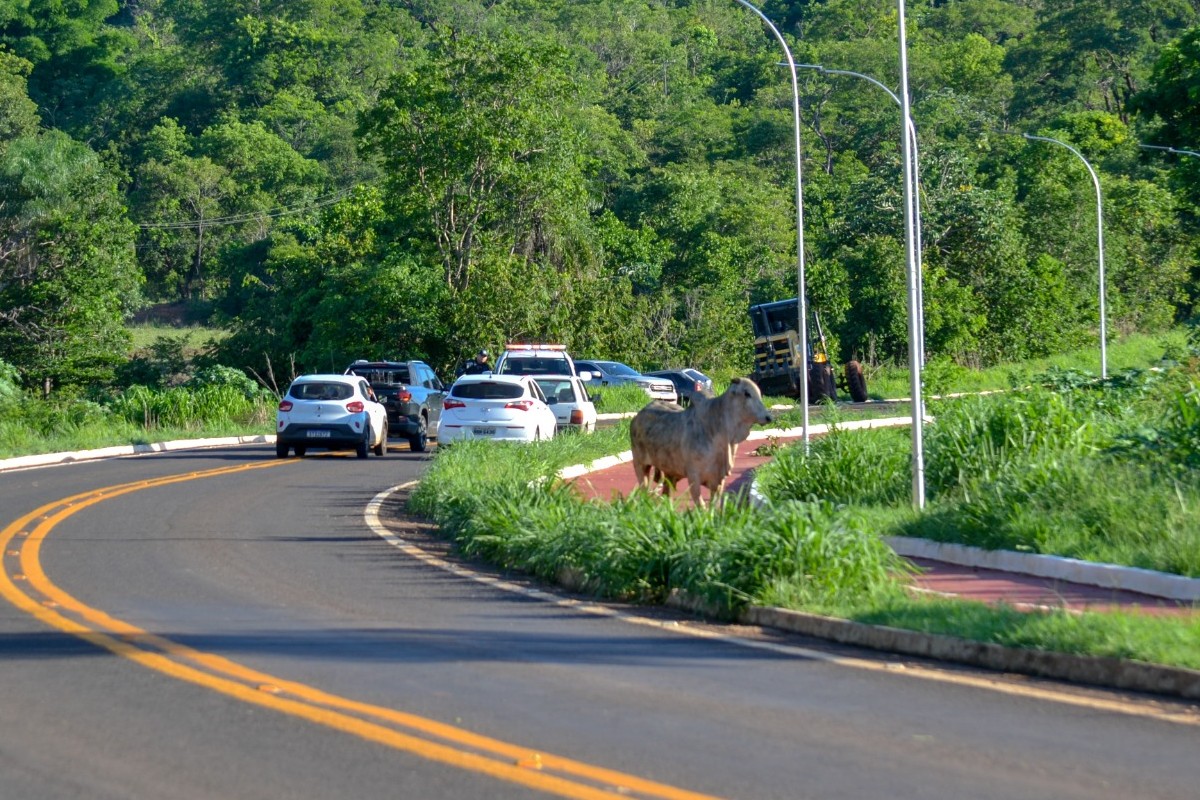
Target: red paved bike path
x,y
970,583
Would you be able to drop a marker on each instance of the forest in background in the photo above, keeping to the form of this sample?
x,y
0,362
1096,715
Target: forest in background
x,y
336,179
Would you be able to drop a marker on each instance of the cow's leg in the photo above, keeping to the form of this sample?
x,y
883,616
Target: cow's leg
x,y
644,474
694,485
717,492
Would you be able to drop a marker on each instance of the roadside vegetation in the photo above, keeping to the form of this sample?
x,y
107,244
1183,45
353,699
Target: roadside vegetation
x,y
215,401
1016,470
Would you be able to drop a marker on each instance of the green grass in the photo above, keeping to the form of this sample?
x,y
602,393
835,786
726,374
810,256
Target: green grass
x,y
1021,471
1173,641
942,377
640,548
194,337
1015,470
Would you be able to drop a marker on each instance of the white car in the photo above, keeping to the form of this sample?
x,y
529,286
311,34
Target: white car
x,y
536,359
503,407
569,399
330,412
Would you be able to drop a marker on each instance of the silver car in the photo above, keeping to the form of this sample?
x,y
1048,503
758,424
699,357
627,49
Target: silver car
x,y
614,373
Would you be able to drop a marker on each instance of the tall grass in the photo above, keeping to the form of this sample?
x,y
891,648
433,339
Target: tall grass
x,y
218,402
1102,471
641,548
941,376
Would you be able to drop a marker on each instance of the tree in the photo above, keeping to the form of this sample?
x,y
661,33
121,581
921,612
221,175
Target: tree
x,y
480,151
18,114
67,274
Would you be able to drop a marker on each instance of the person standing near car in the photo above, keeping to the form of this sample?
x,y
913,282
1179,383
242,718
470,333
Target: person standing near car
x,y
479,365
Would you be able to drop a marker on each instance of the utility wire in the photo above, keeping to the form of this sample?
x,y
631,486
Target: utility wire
x,y
236,219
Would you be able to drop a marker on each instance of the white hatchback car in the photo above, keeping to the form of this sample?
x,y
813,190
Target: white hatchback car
x,y
568,398
330,412
488,406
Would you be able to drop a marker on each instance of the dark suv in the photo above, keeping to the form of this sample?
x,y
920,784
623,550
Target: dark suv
x,y
410,392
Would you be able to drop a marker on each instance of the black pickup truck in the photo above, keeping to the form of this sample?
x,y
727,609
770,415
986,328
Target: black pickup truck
x,y
411,393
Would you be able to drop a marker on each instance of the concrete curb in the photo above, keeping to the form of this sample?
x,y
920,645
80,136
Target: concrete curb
x,y
1070,570
48,459
1081,669
1091,670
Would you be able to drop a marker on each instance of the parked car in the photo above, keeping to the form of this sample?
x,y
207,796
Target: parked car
x,y
700,376
488,406
536,359
614,373
687,385
568,398
330,412
411,393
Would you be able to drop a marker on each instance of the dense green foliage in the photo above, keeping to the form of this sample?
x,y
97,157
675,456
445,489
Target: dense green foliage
x,y
364,179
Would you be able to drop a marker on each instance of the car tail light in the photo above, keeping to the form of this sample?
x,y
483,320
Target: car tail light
x,y
520,405
355,406
696,386
404,396
285,405
576,417
448,404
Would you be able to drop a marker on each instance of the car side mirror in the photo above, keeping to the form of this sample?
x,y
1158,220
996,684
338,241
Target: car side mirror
x,y
585,376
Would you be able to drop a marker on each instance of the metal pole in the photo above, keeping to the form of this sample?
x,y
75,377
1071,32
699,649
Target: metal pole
x,y
914,312
1099,246
1177,151
916,195
800,283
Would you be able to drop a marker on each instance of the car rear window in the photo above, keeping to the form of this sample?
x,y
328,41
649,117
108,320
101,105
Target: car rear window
x,y
487,391
383,376
321,391
558,389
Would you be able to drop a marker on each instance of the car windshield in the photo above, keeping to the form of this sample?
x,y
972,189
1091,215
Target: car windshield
x,y
485,390
320,391
533,365
619,369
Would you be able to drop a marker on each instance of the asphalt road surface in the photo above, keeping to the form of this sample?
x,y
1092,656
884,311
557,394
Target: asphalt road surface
x,y
222,624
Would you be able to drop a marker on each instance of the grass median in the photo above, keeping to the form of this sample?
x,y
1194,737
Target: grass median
x,y
1004,471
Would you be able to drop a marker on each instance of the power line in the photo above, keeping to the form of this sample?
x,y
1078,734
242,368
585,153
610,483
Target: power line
x,y
237,219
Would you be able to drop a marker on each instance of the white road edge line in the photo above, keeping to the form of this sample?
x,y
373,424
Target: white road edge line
x,y
1118,706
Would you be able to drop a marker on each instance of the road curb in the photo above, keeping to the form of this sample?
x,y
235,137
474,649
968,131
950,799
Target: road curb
x,y
1069,570
1091,670
48,459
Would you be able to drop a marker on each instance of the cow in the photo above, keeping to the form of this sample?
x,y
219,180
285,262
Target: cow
x,y
698,442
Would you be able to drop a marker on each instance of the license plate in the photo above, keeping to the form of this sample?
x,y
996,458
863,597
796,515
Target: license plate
x,y
483,431
318,434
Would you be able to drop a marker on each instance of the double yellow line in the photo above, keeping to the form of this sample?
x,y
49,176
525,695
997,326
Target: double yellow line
x,y
25,585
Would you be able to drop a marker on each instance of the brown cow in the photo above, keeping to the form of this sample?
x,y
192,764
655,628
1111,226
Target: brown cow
x,y
697,442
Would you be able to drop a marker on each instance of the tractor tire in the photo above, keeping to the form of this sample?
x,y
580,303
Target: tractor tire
x,y
856,382
821,385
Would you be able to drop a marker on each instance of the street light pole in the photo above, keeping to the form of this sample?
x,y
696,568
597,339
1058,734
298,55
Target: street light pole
x,y
801,301
915,333
1099,246
1175,150
912,132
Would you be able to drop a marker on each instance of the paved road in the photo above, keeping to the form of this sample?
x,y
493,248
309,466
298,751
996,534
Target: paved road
x,y
238,631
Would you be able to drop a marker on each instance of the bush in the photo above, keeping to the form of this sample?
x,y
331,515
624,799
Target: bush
x,y
869,467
